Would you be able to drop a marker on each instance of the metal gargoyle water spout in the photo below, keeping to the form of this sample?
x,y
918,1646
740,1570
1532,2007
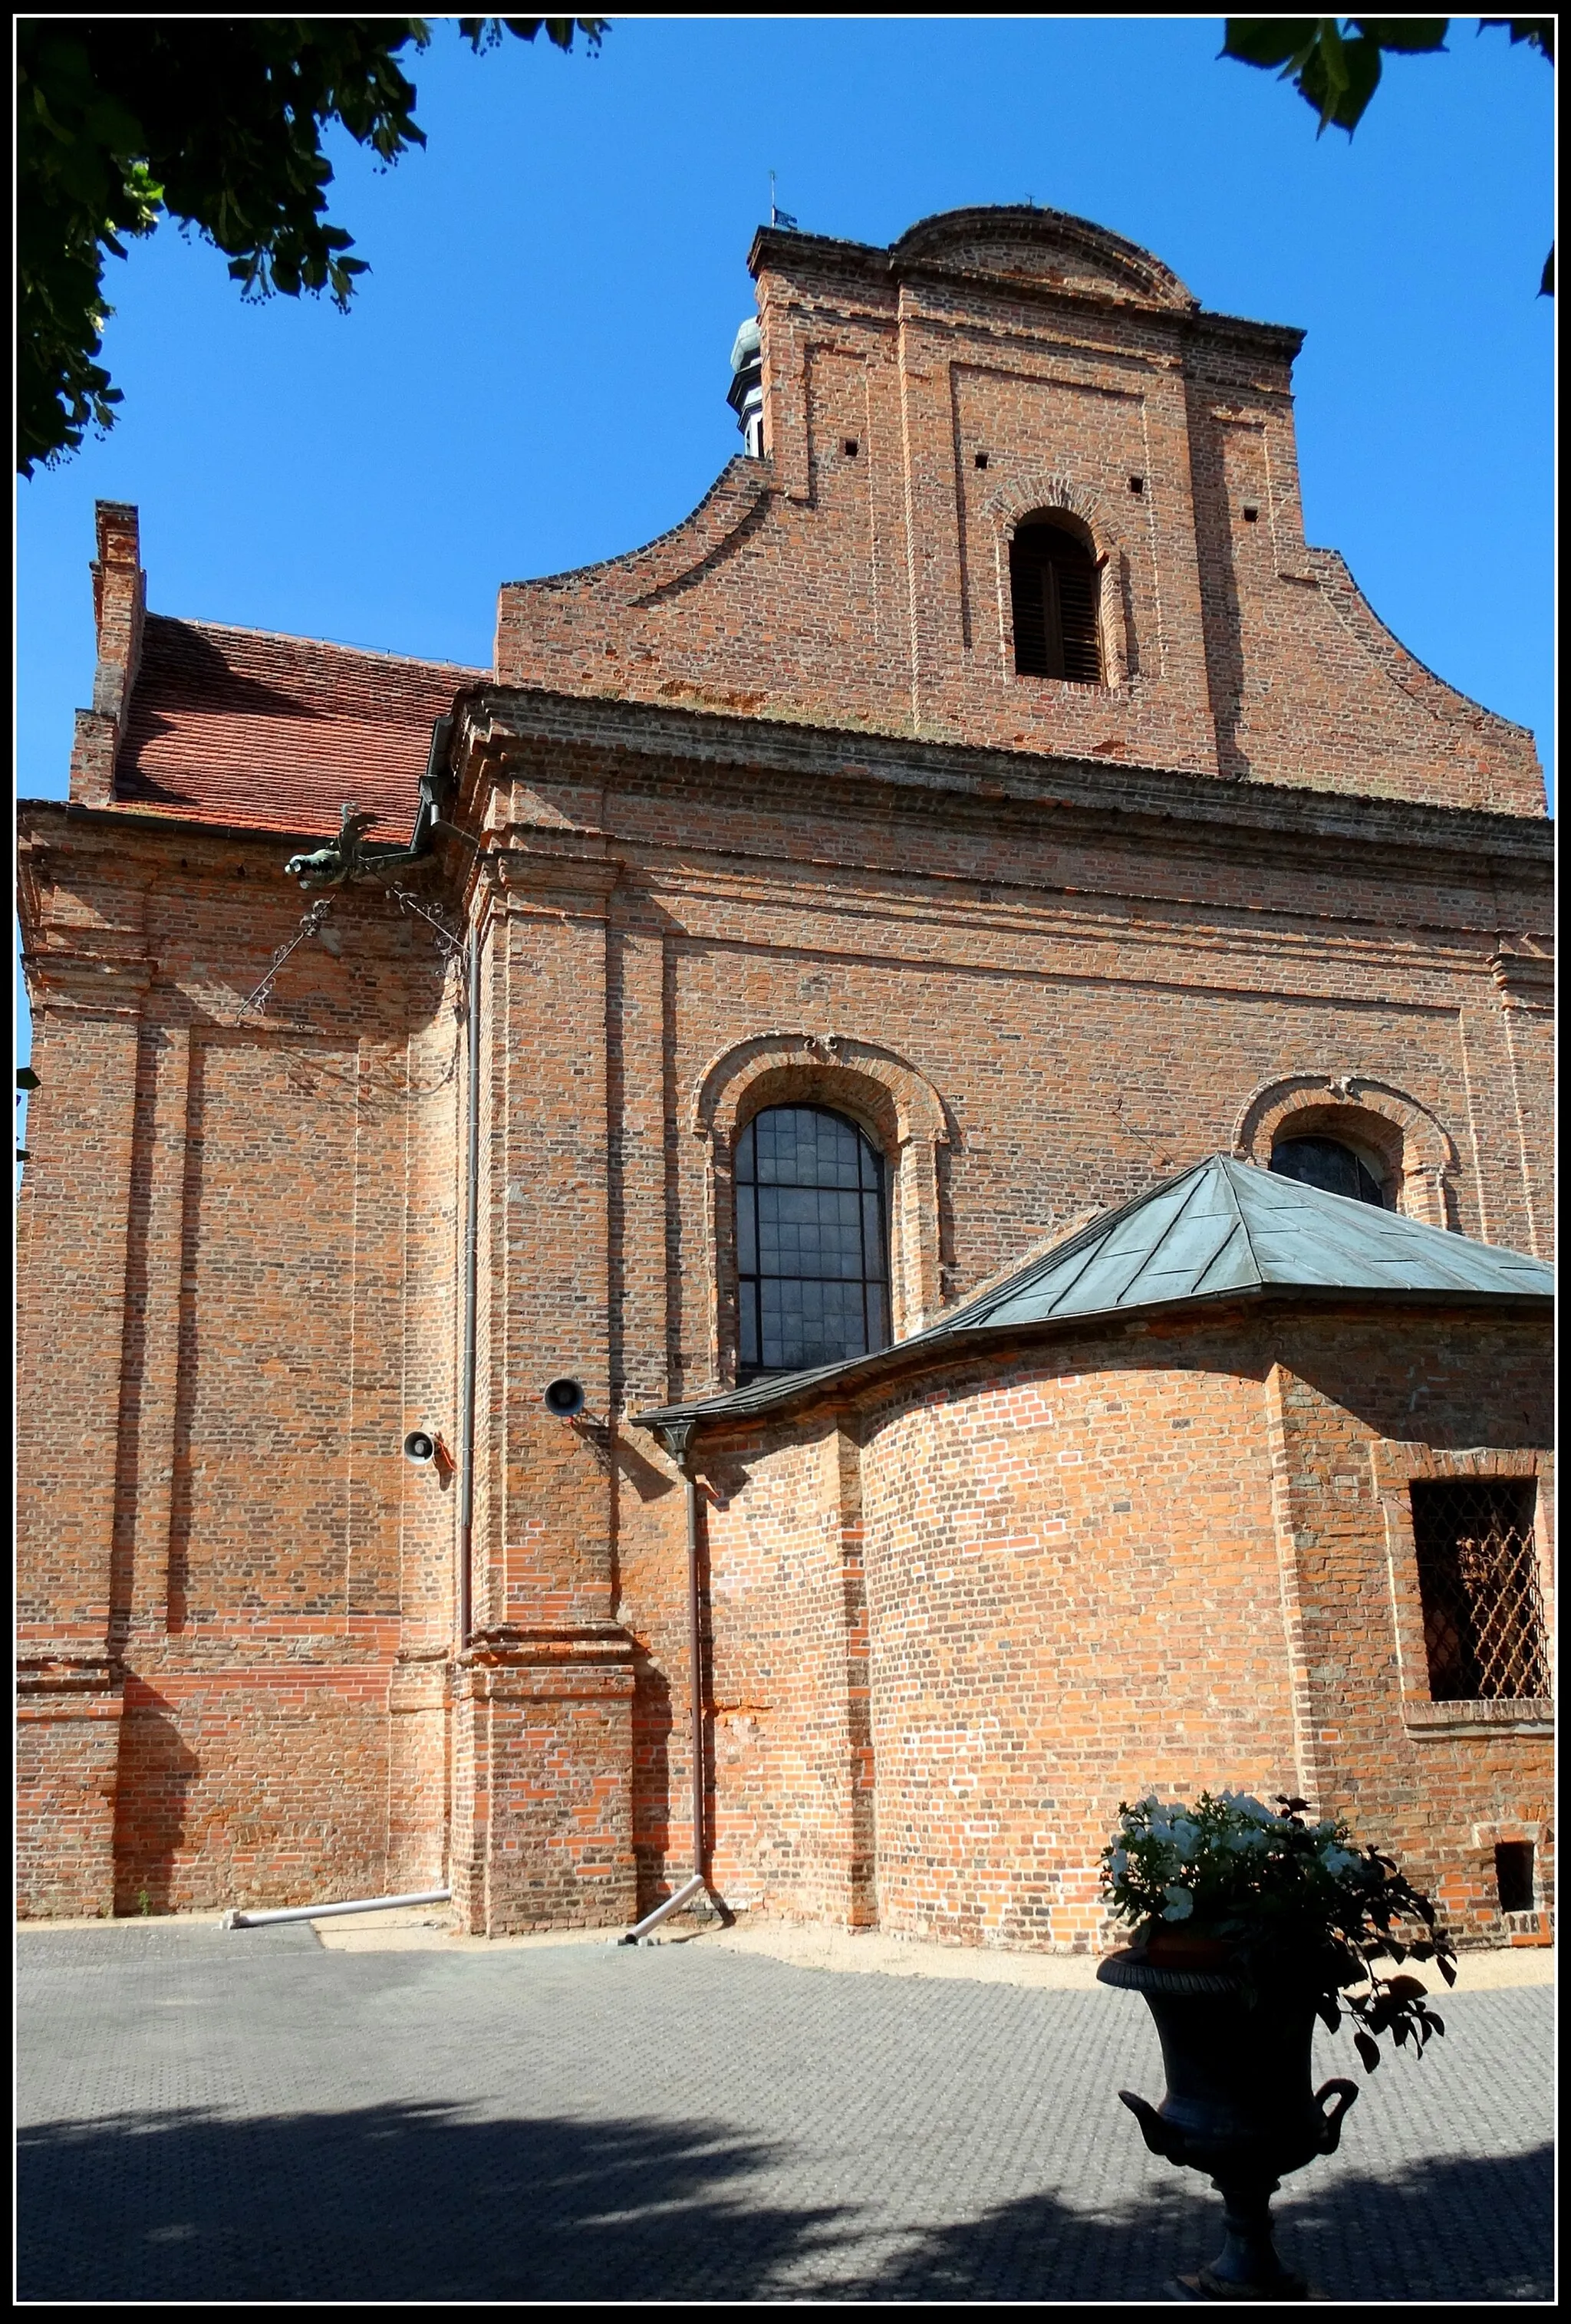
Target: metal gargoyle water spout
x,y
341,860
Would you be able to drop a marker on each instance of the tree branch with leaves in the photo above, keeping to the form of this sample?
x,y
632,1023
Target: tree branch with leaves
x,y
1335,65
217,124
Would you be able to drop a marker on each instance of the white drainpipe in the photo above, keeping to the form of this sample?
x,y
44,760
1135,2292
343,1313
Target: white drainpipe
x,y
326,1912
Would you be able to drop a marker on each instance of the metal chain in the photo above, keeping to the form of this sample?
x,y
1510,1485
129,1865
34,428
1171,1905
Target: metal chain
x,y
310,925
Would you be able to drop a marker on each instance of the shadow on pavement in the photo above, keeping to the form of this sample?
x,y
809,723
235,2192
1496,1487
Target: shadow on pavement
x,y
1412,2235
397,2201
411,2202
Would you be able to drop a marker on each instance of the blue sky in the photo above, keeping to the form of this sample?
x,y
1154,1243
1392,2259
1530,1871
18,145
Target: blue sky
x,y
533,373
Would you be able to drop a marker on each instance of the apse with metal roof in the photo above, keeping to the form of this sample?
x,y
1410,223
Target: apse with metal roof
x,y
1221,1230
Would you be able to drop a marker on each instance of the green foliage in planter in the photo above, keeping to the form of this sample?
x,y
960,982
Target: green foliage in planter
x,y
1300,1904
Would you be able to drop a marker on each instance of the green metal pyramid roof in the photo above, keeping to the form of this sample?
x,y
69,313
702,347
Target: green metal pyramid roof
x,y
1227,1226
1219,1230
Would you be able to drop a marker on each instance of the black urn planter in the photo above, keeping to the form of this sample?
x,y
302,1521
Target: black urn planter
x,y
1239,2105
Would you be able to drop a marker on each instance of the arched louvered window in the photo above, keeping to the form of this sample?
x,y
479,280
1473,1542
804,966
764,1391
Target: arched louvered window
x,y
1054,591
1327,1163
812,1241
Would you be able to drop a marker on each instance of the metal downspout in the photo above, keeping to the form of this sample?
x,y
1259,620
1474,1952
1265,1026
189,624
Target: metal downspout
x,y
235,1920
471,1283
677,1440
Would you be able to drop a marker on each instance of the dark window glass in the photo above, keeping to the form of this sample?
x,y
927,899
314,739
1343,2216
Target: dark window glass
x,y
1478,1578
1513,1874
812,1242
1335,1168
1053,590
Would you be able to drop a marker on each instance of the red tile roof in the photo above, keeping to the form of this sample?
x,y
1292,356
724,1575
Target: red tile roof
x,y
238,726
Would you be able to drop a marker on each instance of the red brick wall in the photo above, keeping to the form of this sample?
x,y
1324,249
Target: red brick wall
x,y
67,1749
867,588
1038,903
254,1787
1168,1558
1360,1409
791,1772
228,1281
542,1830
1074,1601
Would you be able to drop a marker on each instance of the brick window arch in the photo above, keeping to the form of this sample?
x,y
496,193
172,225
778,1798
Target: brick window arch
x,y
892,1105
1055,592
1027,498
1395,1138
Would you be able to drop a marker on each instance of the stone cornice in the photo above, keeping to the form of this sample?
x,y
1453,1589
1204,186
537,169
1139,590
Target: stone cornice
x,y
778,251
1118,798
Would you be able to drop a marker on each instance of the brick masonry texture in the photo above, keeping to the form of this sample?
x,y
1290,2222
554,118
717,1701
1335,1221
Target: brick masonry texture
x,y
1173,1556
760,814
921,401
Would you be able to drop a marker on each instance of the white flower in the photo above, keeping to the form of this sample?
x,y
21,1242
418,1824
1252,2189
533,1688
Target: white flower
x,y
1337,1860
1180,1905
1118,1865
1184,1836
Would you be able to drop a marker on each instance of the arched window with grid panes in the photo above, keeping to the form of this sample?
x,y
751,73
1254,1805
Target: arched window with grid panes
x,y
812,1241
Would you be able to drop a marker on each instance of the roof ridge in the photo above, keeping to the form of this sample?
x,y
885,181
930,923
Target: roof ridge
x,y
1198,1176
1230,1162
1094,1230
332,645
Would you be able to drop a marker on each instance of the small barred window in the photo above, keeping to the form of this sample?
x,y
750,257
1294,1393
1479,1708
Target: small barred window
x,y
1478,1578
1053,591
812,1245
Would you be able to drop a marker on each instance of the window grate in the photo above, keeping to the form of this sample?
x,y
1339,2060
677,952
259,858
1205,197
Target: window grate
x,y
1478,1578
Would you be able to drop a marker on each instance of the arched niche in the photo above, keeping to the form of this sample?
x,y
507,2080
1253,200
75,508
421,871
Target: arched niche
x,y
1416,1155
897,1106
1043,496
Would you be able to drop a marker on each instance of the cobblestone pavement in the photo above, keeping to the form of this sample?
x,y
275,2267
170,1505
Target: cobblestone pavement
x,y
250,2116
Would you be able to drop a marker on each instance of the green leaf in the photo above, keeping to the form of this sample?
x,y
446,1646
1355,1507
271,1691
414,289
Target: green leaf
x,y
1368,2050
27,1079
1268,40
1538,32
1336,69
1406,36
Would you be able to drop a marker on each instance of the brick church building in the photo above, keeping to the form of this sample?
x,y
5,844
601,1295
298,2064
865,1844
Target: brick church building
x,y
989,1015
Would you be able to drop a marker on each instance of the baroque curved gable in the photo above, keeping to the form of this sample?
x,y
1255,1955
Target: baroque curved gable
x,y
1048,247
